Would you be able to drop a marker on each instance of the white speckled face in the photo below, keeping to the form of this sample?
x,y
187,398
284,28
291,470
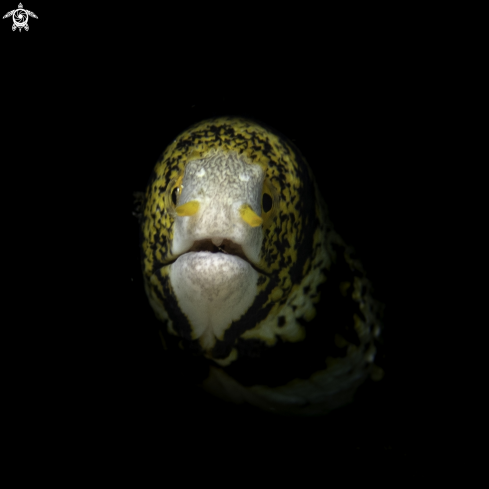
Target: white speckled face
x,y
215,289
221,184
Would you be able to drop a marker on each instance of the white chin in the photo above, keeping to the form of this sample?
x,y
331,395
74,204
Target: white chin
x,y
213,290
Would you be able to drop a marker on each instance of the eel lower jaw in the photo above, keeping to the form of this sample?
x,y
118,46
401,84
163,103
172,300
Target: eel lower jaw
x,y
219,245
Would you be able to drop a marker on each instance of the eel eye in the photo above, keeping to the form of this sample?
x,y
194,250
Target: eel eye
x,y
266,202
270,203
174,195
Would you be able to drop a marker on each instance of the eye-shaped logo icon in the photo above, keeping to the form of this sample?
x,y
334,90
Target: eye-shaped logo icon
x,y
20,16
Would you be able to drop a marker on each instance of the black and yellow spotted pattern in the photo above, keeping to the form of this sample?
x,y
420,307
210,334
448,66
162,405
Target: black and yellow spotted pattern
x,y
313,310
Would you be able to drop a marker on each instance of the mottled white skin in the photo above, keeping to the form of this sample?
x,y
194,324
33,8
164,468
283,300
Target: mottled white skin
x,y
221,184
213,289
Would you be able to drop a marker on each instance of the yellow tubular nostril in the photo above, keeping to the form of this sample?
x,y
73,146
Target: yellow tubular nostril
x,y
249,216
187,209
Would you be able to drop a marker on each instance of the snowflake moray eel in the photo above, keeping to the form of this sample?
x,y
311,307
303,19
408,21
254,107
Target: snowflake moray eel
x,y
246,272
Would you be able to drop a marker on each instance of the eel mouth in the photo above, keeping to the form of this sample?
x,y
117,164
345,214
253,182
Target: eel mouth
x,y
221,245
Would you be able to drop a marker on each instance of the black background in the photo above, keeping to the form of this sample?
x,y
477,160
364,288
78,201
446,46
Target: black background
x,y
88,122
